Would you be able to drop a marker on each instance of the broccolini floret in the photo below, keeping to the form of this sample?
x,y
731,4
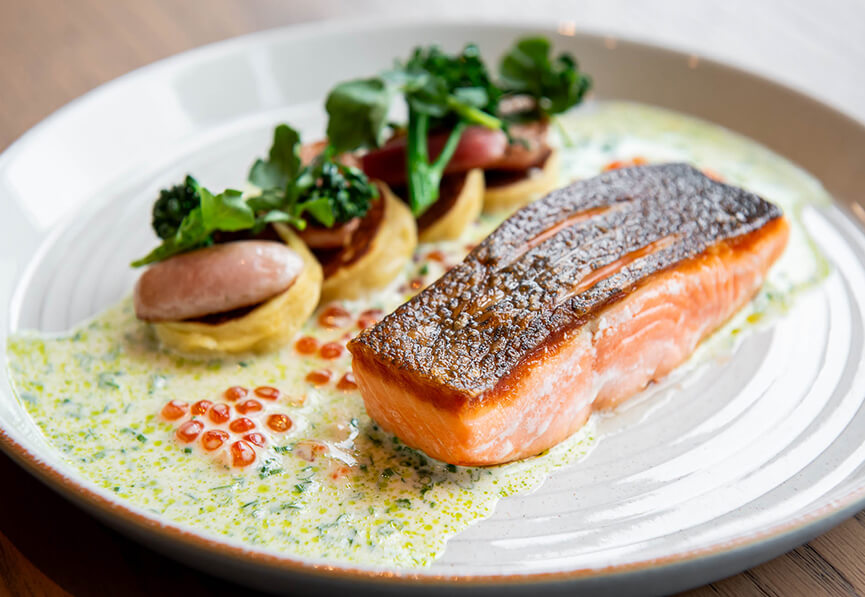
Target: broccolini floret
x,y
172,206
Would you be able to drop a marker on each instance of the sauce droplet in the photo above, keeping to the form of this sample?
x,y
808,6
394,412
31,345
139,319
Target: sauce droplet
x,y
242,454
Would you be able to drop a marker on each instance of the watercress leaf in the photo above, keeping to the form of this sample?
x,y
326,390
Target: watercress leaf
x,y
283,161
266,175
357,114
476,97
268,199
226,211
556,84
320,209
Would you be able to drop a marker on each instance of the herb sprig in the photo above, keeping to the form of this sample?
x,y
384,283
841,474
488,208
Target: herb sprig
x,y
187,216
452,92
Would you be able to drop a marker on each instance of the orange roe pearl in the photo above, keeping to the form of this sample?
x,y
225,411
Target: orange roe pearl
x,y
306,345
318,378
242,454
416,284
279,423
213,439
242,425
347,382
331,350
334,316
219,413
436,256
201,407
174,410
235,393
189,431
255,438
368,318
267,392
249,406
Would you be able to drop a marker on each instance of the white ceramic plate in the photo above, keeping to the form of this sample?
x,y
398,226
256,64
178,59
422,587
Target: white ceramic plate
x,y
749,459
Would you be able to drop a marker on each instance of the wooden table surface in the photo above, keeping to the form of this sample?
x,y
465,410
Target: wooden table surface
x,y
52,51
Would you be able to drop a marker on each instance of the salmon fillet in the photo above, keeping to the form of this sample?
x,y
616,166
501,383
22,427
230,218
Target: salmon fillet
x,y
574,303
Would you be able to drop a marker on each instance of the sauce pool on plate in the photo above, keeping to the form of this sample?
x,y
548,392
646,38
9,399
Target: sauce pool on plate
x,y
276,451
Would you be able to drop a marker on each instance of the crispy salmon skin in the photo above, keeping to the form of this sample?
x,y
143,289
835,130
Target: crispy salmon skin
x,y
574,303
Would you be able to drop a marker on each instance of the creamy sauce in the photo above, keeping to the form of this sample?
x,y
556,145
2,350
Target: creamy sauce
x,y
334,485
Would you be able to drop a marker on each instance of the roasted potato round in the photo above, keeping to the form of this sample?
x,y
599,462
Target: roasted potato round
x,y
392,245
266,327
464,210
508,197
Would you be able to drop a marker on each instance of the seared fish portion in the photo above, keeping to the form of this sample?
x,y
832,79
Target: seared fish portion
x,y
574,303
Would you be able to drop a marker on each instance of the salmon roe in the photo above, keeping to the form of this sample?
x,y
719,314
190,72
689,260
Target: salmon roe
x,y
201,407
267,392
213,439
235,393
615,165
219,413
174,410
306,345
242,425
242,454
368,318
279,423
334,316
437,256
189,431
416,284
249,406
331,350
347,382
255,438
318,378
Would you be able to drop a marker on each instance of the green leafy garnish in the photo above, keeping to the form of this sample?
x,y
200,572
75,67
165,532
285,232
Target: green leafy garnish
x,y
226,212
444,91
441,90
283,163
186,216
358,114
556,84
329,191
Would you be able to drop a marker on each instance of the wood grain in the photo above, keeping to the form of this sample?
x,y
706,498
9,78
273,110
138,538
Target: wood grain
x,y
52,51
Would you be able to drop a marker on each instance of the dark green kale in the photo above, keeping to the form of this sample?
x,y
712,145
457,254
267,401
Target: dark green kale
x,y
329,191
226,212
556,84
172,206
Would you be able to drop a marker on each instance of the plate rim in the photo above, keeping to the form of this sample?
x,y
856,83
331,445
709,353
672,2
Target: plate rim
x,y
129,517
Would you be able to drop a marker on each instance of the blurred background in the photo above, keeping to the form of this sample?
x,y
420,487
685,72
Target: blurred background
x,y
52,51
